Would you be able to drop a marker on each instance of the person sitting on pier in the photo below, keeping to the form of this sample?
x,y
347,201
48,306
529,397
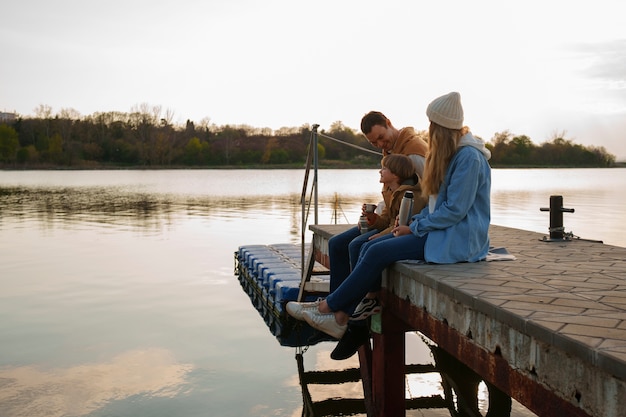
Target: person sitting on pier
x,y
453,227
397,176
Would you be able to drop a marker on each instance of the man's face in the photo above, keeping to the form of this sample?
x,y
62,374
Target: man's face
x,y
381,137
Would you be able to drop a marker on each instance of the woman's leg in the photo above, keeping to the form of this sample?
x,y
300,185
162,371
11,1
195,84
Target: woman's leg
x,y
366,275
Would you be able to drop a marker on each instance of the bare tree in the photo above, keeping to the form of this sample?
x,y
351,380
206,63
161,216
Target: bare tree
x,y
69,113
43,111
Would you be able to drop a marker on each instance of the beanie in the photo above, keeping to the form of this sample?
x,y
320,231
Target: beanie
x,y
446,111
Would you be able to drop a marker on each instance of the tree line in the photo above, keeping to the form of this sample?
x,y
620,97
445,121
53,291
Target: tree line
x,y
146,138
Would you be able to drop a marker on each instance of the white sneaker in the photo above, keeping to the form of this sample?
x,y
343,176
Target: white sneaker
x,y
325,322
295,309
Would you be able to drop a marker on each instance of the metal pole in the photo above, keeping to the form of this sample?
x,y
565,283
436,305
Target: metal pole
x,y
315,165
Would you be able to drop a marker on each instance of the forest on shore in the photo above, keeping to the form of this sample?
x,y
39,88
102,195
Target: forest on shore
x,y
145,138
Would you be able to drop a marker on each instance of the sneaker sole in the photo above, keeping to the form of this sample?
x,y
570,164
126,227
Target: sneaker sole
x,y
366,313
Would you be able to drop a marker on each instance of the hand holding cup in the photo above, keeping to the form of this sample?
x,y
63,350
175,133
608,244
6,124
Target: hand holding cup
x,y
369,212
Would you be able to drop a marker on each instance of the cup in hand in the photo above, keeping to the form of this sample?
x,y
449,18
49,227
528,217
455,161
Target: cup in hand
x,y
369,208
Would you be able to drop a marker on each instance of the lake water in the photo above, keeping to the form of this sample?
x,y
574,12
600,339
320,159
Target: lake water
x,y
118,298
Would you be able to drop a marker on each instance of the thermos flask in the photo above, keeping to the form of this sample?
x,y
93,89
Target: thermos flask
x,y
406,209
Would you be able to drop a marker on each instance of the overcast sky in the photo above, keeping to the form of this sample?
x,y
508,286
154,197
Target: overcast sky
x,y
536,68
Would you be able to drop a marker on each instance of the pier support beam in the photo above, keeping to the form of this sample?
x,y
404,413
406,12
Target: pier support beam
x,y
388,368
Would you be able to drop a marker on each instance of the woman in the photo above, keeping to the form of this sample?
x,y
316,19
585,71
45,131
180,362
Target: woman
x,y
452,228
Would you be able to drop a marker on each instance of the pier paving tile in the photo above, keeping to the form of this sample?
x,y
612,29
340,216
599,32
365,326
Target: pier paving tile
x,y
596,331
569,295
581,302
493,299
528,285
532,298
612,345
489,290
542,307
620,315
618,302
600,313
603,322
546,324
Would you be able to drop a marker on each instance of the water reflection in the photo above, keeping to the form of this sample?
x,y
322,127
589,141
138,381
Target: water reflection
x,y
115,206
75,205
104,264
29,391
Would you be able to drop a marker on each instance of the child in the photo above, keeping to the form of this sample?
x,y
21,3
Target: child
x,y
397,176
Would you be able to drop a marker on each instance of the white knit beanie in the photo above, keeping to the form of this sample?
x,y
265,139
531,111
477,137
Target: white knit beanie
x,y
446,111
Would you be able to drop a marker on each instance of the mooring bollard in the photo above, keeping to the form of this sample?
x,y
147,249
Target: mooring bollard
x,y
556,209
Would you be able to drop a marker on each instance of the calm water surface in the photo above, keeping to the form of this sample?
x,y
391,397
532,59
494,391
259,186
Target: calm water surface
x,y
117,293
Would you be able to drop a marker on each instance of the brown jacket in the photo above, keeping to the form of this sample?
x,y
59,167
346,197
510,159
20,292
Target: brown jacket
x,y
408,143
387,219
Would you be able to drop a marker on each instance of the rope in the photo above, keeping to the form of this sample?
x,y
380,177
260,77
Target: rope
x,y
349,144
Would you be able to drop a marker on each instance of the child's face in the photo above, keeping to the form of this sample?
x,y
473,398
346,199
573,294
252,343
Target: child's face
x,y
387,177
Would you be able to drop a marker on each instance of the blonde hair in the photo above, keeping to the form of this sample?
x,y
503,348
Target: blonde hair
x,y
443,143
399,165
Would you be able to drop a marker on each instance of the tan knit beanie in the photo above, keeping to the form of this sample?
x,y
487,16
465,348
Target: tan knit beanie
x,y
446,111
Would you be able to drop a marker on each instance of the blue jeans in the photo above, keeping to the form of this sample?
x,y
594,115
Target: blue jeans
x,y
375,256
343,251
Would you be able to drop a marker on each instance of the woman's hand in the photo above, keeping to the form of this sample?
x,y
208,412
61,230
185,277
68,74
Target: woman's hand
x,y
400,231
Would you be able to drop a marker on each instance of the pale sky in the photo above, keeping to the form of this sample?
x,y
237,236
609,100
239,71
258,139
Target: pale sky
x,y
535,68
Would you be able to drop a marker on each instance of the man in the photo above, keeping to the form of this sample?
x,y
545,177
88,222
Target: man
x,y
379,131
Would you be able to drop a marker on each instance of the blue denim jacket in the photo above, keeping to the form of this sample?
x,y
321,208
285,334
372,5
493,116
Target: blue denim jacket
x,y
458,227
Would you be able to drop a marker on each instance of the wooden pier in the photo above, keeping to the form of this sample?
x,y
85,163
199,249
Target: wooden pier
x,y
547,329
